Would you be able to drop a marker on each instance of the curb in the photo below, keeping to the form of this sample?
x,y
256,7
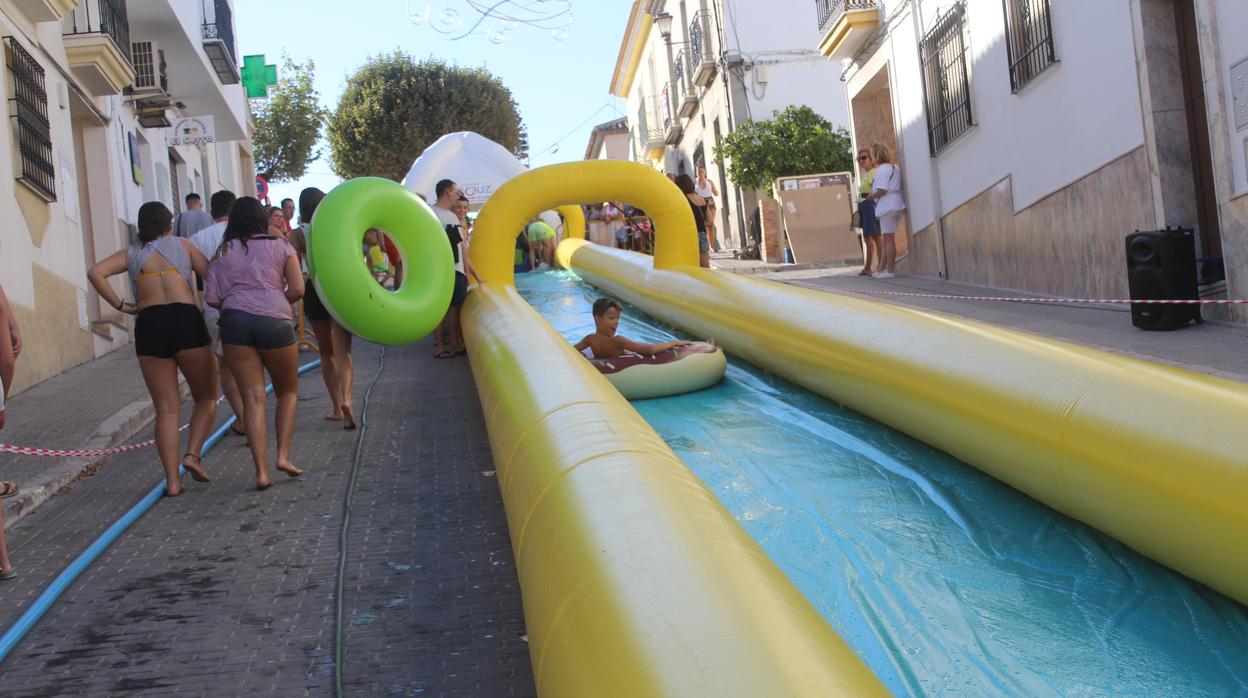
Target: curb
x,y
114,431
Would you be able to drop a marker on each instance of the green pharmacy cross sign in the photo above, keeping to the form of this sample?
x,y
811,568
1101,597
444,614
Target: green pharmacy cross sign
x,y
257,77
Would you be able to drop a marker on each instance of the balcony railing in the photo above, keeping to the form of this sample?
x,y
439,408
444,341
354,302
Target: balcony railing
x,y
829,11
106,17
218,36
701,54
699,35
650,126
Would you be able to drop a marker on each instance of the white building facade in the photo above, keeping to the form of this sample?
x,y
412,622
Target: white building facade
x,y
93,88
693,70
609,141
1035,135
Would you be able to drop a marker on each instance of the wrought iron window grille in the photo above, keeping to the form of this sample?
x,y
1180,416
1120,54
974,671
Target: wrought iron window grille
x,y
28,98
944,52
1029,40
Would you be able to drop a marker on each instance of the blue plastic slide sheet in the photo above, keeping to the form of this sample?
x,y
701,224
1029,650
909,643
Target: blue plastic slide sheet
x,y
945,581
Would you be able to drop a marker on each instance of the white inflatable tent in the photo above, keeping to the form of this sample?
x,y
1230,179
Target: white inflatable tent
x,y
477,164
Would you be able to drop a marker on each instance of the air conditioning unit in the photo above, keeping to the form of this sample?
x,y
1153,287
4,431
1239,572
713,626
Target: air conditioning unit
x,y
149,68
153,115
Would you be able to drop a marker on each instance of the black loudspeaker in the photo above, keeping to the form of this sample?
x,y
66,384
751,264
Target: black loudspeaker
x,y
1161,265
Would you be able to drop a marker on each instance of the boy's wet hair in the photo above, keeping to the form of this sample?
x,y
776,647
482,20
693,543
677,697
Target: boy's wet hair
x,y
602,305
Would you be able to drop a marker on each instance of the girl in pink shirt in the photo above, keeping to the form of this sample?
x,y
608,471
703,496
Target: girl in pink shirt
x,y
253,280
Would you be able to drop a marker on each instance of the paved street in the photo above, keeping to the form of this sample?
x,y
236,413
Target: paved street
x,y
229,591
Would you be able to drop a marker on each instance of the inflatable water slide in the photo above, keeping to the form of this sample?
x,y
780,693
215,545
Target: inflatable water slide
x,y
637,581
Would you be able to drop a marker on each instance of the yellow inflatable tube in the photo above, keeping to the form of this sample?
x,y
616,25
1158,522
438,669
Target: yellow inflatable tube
x,y
573,222
1154,456
636,580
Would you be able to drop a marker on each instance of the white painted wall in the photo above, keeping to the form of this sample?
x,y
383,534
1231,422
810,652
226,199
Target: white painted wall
x,y
1232,26
781,36
1073,119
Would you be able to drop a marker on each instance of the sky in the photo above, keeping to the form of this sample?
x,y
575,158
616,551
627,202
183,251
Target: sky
x,y
561,86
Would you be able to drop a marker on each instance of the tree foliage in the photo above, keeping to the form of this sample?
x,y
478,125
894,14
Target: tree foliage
x,y
795,141
394,107
288,124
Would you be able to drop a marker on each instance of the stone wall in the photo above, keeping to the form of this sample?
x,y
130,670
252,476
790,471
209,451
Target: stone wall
x,y
1068,244
52,340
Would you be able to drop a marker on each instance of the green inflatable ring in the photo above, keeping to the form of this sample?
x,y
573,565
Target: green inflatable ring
x,y
336,261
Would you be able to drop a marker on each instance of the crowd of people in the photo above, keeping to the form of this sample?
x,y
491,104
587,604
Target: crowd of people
x,y
214,295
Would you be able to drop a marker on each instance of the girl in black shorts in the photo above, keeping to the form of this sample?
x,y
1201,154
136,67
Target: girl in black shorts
x,y
169,334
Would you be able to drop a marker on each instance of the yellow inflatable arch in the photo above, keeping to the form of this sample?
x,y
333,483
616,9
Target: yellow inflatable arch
x,y
636,580
573,222
558,186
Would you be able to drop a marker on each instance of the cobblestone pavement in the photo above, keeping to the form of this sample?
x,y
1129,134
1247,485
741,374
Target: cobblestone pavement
x,y
228,591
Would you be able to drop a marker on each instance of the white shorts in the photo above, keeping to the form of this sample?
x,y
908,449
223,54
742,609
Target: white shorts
x,y
890,222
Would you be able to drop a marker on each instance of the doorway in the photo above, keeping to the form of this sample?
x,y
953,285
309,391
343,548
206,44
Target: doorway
x,y
872,110
1208,229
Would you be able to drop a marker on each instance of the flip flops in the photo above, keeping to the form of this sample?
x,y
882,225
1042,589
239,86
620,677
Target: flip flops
x,y
444,355
8,488
8,575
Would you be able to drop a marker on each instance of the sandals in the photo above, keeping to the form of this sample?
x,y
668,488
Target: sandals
x,y
444,354
8,575
236,431
8,488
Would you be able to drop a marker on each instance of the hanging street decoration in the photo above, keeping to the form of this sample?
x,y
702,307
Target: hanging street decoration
x,y
493,19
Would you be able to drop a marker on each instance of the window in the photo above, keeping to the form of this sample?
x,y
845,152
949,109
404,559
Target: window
x,y
1029,34
29,102
947,78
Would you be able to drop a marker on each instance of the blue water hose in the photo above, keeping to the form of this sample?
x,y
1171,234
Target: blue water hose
x,y
18,630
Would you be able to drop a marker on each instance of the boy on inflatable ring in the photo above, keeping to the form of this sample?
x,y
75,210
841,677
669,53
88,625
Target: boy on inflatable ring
x,y
641,371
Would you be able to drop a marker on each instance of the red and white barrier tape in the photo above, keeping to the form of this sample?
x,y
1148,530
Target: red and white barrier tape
x,y
1017,299
82,452
71,453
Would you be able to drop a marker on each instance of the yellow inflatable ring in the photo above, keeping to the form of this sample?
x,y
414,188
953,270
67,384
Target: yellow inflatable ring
x,y
343,280
672,372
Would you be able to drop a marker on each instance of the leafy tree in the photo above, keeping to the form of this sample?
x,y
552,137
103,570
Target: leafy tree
x,y
795,141
288,124
394,107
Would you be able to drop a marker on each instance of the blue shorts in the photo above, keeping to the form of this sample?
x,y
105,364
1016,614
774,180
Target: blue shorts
x,y
259,331
870,224
704,243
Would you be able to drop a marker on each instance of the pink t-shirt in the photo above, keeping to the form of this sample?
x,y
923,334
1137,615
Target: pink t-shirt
x,y
251,280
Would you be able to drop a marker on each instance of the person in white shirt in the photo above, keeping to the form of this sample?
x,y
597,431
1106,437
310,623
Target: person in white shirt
x,y
889,208
617,227
448,338
705,188
208,241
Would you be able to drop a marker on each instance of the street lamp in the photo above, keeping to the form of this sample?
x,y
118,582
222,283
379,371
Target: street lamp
x,y
664,23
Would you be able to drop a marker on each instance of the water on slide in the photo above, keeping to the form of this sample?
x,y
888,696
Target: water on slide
x,y
945,581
